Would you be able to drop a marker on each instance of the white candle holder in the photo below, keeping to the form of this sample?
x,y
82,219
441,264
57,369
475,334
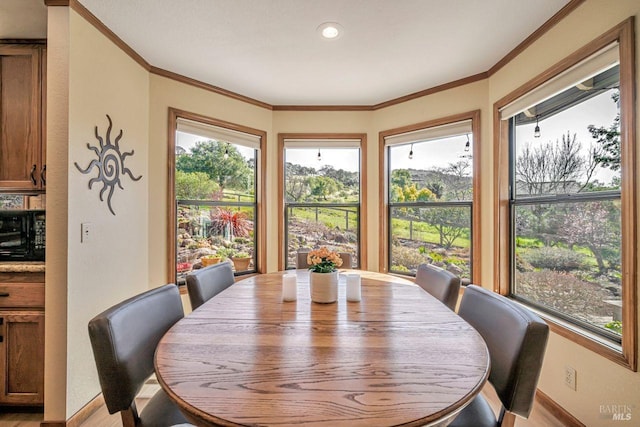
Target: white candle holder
x,y
354,292
289,287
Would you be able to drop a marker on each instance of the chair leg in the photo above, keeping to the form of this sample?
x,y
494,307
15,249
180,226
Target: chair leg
x,y
507,419
130,416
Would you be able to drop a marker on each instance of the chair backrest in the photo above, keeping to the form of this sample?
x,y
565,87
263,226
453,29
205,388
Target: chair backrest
x,y
347,261
301,258
440,283
124,340
208,282
516,339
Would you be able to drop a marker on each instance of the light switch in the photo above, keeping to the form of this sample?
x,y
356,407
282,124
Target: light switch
x,y
86,232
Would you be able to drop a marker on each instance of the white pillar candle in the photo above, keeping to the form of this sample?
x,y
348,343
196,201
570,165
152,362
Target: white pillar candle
x,y
289,287
353,287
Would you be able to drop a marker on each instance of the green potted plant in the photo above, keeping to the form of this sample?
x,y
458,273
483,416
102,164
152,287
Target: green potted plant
x,y
241,261
210,259
224,253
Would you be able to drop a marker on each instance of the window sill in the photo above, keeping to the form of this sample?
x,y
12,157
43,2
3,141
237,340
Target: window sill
x,y
584,338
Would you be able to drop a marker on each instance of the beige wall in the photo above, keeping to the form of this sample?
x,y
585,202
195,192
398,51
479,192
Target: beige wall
x,y
128,253
112,266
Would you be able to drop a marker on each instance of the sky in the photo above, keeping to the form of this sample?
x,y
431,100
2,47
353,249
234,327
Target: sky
x,y
599,111
187,141
347,159
429,155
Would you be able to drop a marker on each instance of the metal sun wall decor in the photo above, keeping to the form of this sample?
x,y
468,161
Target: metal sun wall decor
x,y
110,164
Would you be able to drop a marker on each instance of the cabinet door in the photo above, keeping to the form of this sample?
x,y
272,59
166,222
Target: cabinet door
x,y
20,109
22,357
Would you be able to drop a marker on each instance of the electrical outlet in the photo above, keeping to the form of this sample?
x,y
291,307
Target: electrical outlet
x,y
570,377
86,232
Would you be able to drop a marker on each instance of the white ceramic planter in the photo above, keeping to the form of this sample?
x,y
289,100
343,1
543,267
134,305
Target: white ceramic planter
x,y
323,287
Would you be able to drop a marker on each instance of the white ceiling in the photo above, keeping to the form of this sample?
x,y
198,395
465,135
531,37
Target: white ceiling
x,y
269,50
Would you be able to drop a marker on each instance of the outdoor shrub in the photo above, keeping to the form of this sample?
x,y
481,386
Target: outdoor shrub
x,y
564,292
615,326
408,257
455,261
554,258
242,240
524,242
194,185
522,265
399,268
226,252
217,240
436,256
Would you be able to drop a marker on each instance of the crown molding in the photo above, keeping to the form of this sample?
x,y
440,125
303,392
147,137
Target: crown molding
x,y
551,22
57,2
206,86
432,90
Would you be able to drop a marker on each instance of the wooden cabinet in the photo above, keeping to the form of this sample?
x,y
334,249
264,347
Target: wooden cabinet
x,y
22,338
22,156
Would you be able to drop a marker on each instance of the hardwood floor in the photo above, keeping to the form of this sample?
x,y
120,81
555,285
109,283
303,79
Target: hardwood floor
x,y
540,417
100,418
20,420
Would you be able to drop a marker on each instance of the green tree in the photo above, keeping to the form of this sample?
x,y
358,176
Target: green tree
x,y
401,178
451,223
609,140
195,186
297,182
321,186
209,157
411,193
348,179
396,194
437,188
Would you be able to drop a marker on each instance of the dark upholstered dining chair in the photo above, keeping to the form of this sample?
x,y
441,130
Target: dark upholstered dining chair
x,y
347,261
124,340
301,258
208,282
440,283
516,339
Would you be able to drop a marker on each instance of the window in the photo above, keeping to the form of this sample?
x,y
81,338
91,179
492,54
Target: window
x,y
215,195
430,197
570,210
322,195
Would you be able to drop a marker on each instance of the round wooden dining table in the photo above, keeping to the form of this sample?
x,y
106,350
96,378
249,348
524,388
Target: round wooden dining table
x,y
398,357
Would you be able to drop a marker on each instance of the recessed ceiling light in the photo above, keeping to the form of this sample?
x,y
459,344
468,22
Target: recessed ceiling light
x,y
330,30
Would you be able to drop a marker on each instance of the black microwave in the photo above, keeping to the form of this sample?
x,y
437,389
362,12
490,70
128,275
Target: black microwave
x,y
22,235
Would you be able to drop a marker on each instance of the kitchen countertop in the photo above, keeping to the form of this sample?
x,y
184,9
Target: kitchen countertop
x,y
21,267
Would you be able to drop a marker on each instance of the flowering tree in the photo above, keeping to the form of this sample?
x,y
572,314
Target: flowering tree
x,y
595,226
